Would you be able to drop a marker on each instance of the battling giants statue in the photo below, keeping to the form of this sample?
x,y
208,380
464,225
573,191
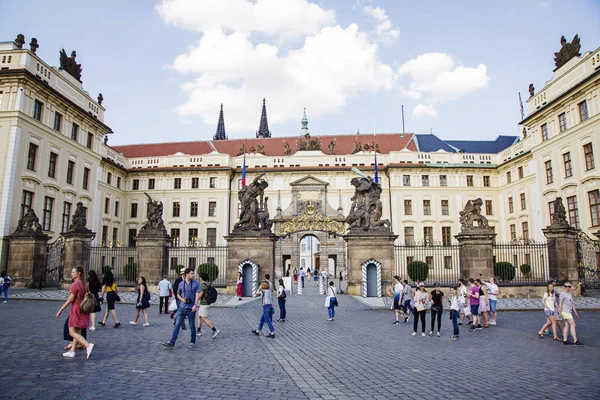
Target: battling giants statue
x,y
471,214
154,224
366,209
254,215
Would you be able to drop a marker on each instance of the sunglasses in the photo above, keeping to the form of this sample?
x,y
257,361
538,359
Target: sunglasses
x,y
568,286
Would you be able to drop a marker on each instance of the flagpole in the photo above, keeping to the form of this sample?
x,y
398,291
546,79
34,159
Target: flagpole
x,y
375,152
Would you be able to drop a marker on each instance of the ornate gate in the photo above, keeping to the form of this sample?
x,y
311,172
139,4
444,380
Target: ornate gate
x,y
55,255
587,253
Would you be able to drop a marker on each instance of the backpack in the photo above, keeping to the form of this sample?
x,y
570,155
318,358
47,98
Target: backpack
x,y
7,281
283,294
147,296
211,295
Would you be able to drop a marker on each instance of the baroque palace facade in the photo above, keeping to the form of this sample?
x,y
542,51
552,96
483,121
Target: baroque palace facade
x,y
55,154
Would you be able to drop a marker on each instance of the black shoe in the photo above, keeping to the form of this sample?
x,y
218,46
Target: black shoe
x,y
472,329
578,344
168,345
271,335
566,342
256,332
405,319
460,324
479,327
470,323
183,328
102,323
116,325
396,323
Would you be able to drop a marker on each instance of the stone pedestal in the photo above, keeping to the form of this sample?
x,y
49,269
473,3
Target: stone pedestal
x,y
258,249
476,253
151,257
365,247
562,253
74,243
27,260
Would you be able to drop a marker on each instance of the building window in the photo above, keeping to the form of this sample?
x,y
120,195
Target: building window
x,y
70,168
447,262
194,209
86,178
426,207
47,218
425,180
428,235
108,178
409,236
544,129
131,238
551,210
151,183
175,234
594,197
520,172
562,122
31,156
488,208
57,121
573,211
511,208
443,180
212,182
66,216
134,210
177,183
486,181
26,202
117,208
105,235
445,208
114,235
407,207
37,109
513,232
192,234
136,184
211,237
469,180
525,229
195,183
549,176
523,202
568,167
446,236
106,205
212,208
508,177
52,165
118,182
176,208
90,140
588,151
583,111
74,131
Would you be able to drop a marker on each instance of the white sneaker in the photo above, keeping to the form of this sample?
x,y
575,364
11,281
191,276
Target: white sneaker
x,y
438,334
89,350
423,334
93,328
69,354
430,333
492,322
414,333
132,323
146,324
215,333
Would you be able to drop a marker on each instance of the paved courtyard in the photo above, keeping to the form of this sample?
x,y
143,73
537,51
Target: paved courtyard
x,y
360,355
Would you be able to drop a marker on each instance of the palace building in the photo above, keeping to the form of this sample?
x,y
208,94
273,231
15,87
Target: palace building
x,y
55,154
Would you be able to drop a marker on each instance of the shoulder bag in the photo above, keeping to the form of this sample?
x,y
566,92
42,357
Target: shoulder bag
x,y
89,302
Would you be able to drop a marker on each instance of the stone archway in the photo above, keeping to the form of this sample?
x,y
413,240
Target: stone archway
x,y
253,276
366,266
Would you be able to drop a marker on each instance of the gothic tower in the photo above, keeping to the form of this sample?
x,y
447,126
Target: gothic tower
x,y
220,134
263,129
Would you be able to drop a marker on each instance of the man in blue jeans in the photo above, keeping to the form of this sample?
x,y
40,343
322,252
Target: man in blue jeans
x,y
188,294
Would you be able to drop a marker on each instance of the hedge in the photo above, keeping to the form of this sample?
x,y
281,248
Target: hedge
x,y
130,271
505,271
209,268
525,269
418,271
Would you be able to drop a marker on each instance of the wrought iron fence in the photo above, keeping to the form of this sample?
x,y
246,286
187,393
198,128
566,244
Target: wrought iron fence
x,y
587,256
443,262
521,263
195,257
121,260
55,255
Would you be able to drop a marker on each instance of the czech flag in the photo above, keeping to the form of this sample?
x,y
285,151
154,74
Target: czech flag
x,y
244,170
376,167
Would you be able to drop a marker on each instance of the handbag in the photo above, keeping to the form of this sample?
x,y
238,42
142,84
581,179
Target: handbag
x,y
467,311
118,298
89,302
172,305
420,306
335,303
327,301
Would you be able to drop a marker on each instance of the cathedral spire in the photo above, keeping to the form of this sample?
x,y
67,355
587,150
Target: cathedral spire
x,y
220,135
304,124
263,129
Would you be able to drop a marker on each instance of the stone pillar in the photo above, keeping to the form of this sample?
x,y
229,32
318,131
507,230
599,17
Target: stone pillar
x,y
364,247
74,244
476,253
27,260
562,253
258,249
151,257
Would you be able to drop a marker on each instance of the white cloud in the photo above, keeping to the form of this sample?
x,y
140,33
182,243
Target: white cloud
x,y
290,18
424,111
435,75
385,31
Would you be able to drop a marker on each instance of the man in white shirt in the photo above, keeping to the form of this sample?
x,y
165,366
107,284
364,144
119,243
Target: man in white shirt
x,y
164,288
493,291
398,303
301,275
463,300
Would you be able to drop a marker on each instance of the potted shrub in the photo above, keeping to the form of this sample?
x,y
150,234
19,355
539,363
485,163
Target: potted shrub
x,y
105,269
130,271
525,270
417,270
177,267
505,271
211,270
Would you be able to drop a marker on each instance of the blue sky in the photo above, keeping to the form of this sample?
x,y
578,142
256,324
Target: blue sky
x,y
164,67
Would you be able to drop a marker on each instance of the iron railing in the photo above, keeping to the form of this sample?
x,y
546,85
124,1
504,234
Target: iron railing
x,y
193,257
121,260
525,263
587,257
443,262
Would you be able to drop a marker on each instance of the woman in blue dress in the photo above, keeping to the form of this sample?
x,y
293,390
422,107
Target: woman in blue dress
x,y
142,302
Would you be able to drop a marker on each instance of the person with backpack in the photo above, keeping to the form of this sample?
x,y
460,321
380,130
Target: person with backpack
x,y
142,303
281,297
207,297
95,287
5,281
188,294
78,320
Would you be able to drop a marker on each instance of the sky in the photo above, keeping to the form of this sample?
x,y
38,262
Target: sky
x,y
165,66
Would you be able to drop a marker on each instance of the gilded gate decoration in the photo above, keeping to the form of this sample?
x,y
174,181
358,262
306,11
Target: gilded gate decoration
x,y
310,220
55,255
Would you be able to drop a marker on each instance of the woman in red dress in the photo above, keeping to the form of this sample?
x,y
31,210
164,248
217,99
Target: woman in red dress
x,y
240,286
77,319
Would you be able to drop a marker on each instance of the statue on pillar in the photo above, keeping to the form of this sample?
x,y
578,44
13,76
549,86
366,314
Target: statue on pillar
x,y
154,223
567,51
253,210
29,225
559,218
472,213
366,209
79,221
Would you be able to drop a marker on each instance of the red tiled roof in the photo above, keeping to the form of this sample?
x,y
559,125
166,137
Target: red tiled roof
x,y
344,144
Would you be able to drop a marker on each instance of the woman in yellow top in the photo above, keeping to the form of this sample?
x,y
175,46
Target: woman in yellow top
x,y
109,286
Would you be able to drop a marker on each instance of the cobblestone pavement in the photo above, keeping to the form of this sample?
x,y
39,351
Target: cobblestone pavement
x,y
360,355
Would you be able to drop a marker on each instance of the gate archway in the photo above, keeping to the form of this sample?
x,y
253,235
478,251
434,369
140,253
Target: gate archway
x,y
371,278
249,271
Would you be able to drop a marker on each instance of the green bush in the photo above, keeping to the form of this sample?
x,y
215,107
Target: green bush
x,y
105,269
209,268
505,271
525,269
177,267
418,270
130,271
